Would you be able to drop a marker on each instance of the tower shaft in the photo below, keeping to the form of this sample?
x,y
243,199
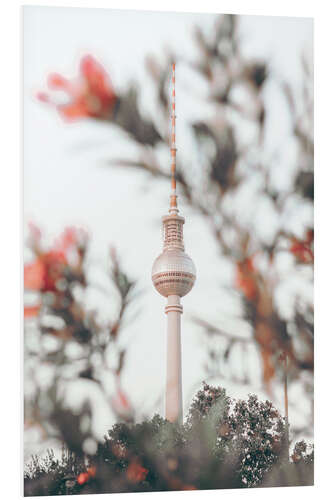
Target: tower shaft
x,y
174,396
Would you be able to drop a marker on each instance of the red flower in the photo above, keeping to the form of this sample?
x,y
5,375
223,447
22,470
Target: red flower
x,y
91,94
302,248
245,278
31,311
44,273
34,275
54,265
136,473
83,477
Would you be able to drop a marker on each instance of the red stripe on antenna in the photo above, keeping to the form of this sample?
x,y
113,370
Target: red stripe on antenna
x,y
173,198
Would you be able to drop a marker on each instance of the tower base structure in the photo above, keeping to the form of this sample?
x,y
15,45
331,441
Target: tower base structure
x,y
174,396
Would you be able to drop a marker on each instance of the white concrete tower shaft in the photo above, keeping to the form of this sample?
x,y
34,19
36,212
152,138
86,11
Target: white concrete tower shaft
x,y
174,390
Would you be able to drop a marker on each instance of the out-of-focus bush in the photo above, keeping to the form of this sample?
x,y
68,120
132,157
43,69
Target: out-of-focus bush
x,y
67,346
223,444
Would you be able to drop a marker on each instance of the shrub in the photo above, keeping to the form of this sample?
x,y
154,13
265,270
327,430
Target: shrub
x,y
223,443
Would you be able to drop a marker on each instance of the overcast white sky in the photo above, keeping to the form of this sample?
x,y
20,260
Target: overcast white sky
x,y
65,182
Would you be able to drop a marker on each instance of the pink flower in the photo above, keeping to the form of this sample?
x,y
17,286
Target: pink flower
x,y
91,94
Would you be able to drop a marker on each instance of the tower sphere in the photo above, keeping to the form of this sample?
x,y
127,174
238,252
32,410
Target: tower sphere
x,y
173,273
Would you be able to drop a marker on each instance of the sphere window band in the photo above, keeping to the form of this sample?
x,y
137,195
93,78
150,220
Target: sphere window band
x,y
174,273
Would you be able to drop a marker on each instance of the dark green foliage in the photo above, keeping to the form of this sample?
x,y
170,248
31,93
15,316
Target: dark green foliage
x,y
297,473
51,476
222,444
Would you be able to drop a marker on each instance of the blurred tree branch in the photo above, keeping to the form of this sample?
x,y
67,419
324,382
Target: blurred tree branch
x,y
229,166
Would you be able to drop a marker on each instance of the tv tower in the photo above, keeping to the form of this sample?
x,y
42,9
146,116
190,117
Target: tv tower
x,y
173,276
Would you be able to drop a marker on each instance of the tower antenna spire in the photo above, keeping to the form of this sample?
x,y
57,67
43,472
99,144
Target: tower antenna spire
x,y
173,149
